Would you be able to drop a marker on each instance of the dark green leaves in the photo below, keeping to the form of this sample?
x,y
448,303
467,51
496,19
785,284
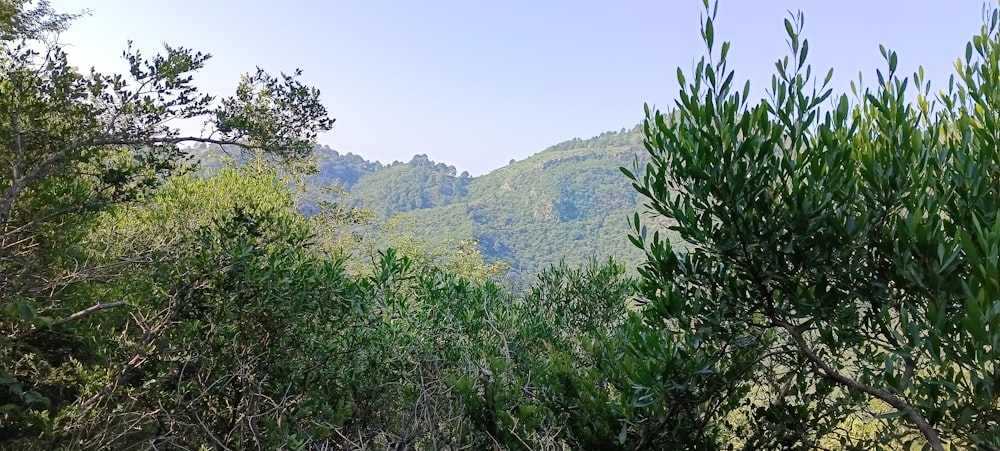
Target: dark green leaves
x,y
709,33
76,145
862,238
803,53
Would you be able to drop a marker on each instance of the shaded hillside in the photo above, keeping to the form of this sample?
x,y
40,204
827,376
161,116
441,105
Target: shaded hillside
x,y
568,201
332,167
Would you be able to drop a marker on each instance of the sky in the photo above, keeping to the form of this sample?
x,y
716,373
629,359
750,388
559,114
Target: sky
x,y
476,83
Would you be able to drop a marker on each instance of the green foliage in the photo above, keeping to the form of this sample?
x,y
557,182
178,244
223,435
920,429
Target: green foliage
x,y
145,306
74,145
415,185
343,170
820,272
548,388
557,204
461,258
237,341
565,202
33,20
841,254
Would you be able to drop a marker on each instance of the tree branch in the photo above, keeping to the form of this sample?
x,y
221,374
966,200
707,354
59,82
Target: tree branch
x,y
176,140
86,312
933,440
19,184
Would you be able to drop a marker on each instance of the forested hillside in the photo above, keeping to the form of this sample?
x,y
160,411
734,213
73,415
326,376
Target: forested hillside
x,y
416,185
568,202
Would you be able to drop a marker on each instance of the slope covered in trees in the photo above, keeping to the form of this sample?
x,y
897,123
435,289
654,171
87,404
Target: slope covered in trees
x,y
568,202
418,184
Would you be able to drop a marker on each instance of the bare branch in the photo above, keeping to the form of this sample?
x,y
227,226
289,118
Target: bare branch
x,y
85,312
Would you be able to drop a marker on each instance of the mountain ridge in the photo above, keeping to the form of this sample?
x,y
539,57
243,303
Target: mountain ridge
x,y
567,202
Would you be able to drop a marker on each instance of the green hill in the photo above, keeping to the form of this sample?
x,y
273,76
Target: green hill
x,y
569,201
417,185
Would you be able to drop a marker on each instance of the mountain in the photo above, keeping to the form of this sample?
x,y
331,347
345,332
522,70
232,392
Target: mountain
x,y
344,170
420,184
569,201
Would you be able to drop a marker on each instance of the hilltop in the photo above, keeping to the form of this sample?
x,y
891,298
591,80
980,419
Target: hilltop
x,y
569,201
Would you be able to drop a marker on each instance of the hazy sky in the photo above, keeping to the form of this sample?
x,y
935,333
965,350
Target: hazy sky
x,y
475,83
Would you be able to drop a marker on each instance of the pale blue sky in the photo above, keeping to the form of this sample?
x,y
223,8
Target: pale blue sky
x,y
475,83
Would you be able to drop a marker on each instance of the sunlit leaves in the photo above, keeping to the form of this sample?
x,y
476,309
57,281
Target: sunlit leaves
x,y
279,115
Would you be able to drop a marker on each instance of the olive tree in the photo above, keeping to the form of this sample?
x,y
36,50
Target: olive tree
x,y
852,241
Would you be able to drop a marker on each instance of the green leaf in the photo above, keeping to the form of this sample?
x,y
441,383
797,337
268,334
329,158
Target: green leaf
x,y
709,33
843,107
804,52
890,415
27,313
974,319
35,399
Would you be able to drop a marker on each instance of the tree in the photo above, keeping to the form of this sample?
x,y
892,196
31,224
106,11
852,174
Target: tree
x,y
72,144
853,245
232,318
75,143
